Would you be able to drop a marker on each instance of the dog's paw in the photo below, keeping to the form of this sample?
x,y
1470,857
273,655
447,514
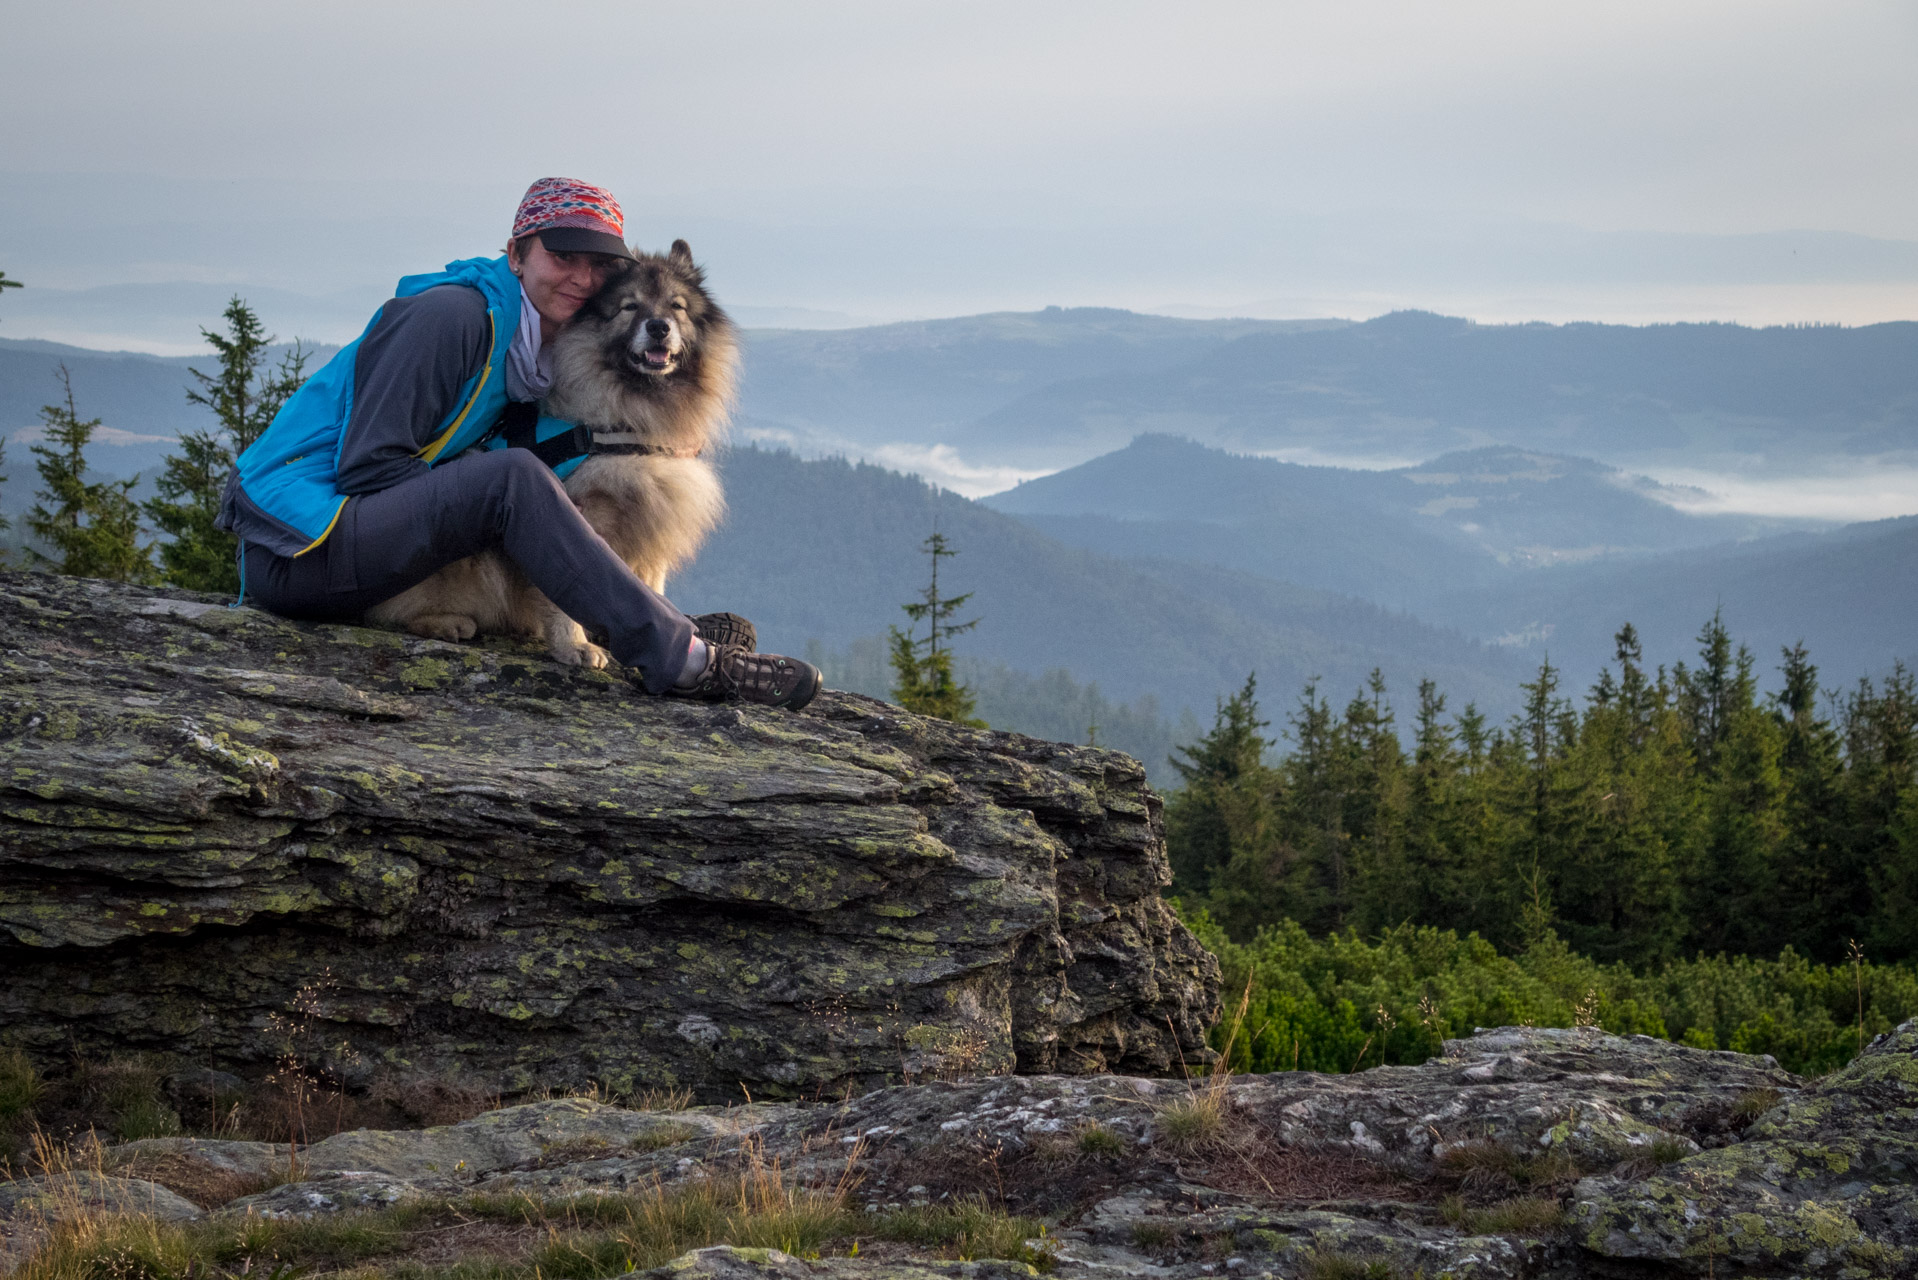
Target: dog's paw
x,y
580,653
444,626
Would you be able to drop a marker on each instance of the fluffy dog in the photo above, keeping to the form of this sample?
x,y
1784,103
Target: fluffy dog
x,y
649,365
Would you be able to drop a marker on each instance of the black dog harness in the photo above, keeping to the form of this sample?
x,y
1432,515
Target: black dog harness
x,y
519,428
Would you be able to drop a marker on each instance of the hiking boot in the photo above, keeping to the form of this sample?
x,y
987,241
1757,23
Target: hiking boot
x,y
732,674
713,628
726,629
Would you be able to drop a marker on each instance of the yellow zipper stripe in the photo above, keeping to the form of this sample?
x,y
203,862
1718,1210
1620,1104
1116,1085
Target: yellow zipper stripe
x,y
432,451
329,528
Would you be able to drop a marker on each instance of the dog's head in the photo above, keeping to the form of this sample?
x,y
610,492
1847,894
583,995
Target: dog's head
x,y
650,319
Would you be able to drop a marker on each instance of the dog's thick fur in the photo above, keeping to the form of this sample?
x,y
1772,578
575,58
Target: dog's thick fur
x,y
651,354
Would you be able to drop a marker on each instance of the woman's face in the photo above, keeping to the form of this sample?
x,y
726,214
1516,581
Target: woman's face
x,y
557,283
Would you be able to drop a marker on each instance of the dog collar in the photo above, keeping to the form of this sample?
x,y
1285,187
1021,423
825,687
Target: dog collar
x,y
520,428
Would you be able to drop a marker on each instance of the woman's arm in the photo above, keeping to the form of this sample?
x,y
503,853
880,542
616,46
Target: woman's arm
x,y
406,378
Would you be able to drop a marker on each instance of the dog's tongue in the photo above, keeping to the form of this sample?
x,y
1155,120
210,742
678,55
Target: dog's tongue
x,y
655,356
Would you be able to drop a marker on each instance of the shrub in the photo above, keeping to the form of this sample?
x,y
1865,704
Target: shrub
x,y
1341,1001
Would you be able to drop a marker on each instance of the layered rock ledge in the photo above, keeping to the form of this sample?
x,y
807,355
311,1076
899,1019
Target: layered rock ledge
x,y
236,838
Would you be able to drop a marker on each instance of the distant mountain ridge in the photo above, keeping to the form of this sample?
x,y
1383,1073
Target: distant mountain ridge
x,y
1545,556
1412,385
1401,537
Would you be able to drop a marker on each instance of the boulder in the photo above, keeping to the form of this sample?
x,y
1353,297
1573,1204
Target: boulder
x,y
1826,1183
56,1197
245,840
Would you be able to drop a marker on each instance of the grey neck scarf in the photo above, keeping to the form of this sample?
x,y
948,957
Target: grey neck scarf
x,y
529,366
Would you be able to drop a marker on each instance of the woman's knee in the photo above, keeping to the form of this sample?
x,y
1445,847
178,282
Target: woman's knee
x,y
518,481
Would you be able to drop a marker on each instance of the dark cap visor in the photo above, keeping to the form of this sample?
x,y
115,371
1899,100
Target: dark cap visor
x,y
581,240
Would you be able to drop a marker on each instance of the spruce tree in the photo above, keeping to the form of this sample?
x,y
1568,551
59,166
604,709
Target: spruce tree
x,y
5,524
244,397
94,529
1224,826
923,681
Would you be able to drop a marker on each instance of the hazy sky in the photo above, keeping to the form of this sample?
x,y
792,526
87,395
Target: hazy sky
x,y
1628,159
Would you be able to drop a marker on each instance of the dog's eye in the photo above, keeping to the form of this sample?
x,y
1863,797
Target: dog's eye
x,y
631,306
679,304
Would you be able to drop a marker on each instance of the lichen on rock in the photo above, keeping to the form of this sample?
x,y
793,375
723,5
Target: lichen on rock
x,y
1825,1183
238,838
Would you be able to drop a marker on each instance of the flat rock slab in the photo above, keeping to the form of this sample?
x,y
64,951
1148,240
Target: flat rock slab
x,y
324,1195
468,862
58,1197
562,1132
238,1159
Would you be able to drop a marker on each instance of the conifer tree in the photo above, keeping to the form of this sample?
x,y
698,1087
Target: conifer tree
x,y
923,681
1222,809
94,528
244,397
5,524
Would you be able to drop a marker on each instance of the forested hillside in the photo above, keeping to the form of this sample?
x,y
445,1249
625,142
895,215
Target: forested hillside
x,y
1659,812
829,550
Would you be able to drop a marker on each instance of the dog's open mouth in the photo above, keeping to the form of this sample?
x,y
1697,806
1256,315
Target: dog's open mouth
x,y
654,359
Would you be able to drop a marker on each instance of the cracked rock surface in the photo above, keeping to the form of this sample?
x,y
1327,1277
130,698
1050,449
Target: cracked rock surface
x,y
1824,1184
226,835
1693,1163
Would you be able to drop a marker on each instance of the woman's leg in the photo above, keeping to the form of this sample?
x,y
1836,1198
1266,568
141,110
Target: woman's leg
x,y
388,541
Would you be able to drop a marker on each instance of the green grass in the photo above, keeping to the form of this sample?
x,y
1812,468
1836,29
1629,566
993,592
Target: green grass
x,y
1097,1140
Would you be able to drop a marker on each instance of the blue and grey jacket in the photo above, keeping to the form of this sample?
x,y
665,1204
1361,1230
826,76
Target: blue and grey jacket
x,y
425,381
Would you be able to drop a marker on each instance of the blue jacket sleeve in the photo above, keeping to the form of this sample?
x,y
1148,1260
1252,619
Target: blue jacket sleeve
x,y
406,378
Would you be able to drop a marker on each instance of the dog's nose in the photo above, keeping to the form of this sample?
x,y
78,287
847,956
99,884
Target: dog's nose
x,y
658,329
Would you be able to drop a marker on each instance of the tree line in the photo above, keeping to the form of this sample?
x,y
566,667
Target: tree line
x,y
96,529
1677,812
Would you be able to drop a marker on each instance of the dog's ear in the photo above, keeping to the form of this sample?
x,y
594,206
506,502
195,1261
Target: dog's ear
x,y
681,255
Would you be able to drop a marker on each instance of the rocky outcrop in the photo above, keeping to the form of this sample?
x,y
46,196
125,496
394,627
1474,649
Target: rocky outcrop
x,y
1694,1163
240,839
1824,1184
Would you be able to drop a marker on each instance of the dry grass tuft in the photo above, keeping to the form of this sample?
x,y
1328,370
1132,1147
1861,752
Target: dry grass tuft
x,y
1520,1215
1485,1170
1195,1120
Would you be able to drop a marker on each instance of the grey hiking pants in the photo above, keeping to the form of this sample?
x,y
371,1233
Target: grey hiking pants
x,y
387,541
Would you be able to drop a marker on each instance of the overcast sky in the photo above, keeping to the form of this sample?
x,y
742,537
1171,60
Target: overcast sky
x,y
1508,159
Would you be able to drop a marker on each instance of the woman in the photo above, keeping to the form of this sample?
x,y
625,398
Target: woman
x,y
362,486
